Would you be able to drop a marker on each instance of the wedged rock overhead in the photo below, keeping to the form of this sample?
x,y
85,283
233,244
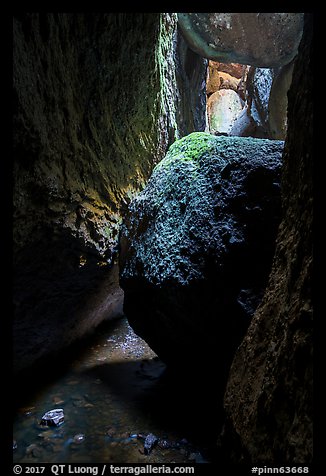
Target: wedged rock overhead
x,y
196,247
265,40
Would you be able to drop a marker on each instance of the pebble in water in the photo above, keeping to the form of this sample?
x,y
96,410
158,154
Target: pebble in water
x,y
33,450
79,438
57,400
53,417
150,441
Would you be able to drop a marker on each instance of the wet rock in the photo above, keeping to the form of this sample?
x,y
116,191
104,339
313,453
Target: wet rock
x,y
79,438
150,442
265,40
27,411
53,417
14,445
164,444
223,108
57,400
46,435
110,432
34,451
201,232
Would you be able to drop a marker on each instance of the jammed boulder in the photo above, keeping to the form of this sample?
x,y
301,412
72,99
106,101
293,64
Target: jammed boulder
x,y
265,40
196,247
223,108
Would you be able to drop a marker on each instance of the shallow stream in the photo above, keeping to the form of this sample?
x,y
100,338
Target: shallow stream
x,y
113,393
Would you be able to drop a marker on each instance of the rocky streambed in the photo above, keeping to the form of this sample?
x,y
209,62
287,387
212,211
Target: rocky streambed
x,y
119,405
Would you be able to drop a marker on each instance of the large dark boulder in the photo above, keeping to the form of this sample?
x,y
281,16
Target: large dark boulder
x,y
197,246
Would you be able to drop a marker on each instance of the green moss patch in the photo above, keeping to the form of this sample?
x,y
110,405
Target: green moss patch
x,y
190,148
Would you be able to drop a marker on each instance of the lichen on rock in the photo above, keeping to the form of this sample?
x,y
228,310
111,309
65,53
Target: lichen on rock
x,y
189,148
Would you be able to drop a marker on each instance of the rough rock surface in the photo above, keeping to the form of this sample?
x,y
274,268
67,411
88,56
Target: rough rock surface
x,y
224,76
213,80
85,140
234,69
265,40
278,102
228,81
265,115
196,247
246,126
223,108
268,400
259,84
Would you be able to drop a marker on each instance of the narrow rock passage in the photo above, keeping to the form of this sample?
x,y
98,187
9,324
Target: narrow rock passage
x,y
113,395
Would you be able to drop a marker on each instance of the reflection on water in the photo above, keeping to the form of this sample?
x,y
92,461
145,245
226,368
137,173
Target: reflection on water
x,y
111,394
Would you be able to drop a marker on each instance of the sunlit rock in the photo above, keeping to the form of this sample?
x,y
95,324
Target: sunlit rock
x,y
234,69
228,81
223,108
213,80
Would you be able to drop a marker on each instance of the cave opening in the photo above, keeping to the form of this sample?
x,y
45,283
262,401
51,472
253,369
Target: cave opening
x,y
125,236
245,100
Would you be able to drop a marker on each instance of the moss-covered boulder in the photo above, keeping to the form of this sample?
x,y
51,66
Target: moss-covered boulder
x,y
196,248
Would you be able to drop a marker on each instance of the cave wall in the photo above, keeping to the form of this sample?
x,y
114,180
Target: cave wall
x,y
268,399
97,99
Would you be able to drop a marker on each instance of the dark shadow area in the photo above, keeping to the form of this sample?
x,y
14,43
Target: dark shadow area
x,y
181,401
28,383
